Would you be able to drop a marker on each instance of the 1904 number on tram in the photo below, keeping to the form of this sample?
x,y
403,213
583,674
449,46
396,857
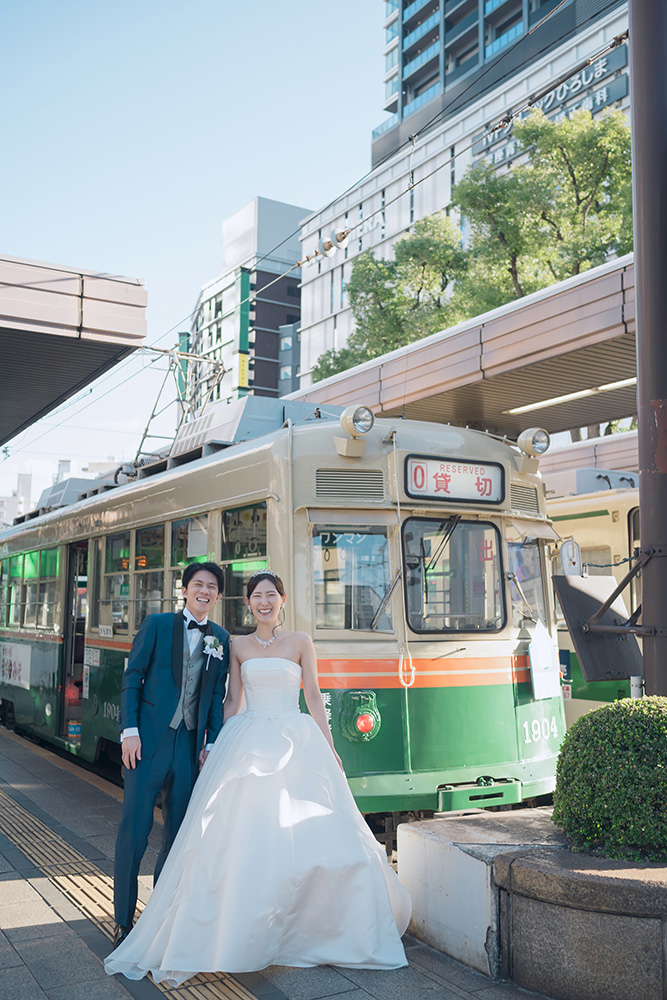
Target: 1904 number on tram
x,y
540,729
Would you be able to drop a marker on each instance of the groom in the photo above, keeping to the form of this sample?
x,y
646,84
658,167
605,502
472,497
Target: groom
x,y
171,696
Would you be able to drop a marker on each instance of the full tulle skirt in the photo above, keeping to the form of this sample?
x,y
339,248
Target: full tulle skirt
x,y
273,865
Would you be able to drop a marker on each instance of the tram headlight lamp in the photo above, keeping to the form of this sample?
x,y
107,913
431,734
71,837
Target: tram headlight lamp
x,y
357,420
534,441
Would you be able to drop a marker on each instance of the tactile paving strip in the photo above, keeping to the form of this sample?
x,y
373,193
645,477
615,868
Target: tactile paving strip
x,y
91,891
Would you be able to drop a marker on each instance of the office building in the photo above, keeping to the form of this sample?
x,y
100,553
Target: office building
x,y
239,313
459,65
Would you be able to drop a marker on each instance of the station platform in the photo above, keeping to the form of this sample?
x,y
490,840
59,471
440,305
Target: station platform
x,y
57,834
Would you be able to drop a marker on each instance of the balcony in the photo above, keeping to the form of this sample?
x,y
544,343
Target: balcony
x,y
462,6
420,101
504,39
460,28
430,53
461,69
385,126
414,8
428,25
492,5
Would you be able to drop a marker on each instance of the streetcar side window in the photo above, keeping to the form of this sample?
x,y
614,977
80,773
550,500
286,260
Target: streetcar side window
x,y
4,590
40,577
242,555
31,584
189,544
95,566
117,579
352,577
15,591
149,572
453,575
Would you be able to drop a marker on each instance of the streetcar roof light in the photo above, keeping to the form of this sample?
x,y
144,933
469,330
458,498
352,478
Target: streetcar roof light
x,y
534,441
357,420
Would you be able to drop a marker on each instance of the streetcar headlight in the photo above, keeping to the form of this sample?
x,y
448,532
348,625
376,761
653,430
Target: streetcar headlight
x,y
534,441
356,420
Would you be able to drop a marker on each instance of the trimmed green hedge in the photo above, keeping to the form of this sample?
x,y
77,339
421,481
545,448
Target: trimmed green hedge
x,y
611,780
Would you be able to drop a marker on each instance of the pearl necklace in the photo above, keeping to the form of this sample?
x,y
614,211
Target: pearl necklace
x,y
264,642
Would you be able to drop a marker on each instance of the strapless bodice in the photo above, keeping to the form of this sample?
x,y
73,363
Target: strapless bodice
x,y
272,685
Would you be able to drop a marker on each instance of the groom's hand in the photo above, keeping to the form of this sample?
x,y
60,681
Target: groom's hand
x,y
203,754
131,751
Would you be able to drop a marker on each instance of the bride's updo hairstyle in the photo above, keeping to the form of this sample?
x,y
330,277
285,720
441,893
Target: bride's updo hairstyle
x,y
265,574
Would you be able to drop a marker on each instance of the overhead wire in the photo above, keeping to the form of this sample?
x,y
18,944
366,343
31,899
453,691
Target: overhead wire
x,y
317,254
415,135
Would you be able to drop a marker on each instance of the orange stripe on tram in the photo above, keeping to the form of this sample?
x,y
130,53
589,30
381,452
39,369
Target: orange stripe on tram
x,y
338,674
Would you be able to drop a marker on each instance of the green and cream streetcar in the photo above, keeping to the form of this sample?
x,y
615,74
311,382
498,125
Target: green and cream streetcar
x,y
413,553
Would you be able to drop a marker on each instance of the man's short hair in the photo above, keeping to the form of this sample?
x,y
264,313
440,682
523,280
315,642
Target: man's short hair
x,y
211,567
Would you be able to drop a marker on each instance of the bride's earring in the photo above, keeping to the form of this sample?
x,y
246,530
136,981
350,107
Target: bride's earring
x,y
281,619
247,617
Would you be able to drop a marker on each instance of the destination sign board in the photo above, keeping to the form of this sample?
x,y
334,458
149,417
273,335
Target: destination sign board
x,y
454,479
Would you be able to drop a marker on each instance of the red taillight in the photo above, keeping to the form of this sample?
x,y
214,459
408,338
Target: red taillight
x,y
364,722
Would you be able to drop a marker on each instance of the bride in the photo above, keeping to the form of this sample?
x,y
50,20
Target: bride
x,y
273,864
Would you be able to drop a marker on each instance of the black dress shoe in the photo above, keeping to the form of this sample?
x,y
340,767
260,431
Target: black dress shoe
x,y
119,934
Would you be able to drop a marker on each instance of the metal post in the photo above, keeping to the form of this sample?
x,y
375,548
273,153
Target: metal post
x,y
648,57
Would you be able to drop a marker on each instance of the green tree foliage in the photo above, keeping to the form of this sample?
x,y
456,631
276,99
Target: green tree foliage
x,y
611,780
564,210
397,301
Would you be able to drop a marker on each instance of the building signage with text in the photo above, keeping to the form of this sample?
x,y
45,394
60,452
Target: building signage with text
x,y
589,89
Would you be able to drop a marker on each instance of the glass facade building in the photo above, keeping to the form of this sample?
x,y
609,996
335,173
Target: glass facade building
x,y
431,45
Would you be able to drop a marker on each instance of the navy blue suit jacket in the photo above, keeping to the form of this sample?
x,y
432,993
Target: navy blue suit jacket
x,y
152,682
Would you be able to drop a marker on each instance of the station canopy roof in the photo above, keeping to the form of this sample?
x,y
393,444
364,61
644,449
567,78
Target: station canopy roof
x,y
560,358
60,329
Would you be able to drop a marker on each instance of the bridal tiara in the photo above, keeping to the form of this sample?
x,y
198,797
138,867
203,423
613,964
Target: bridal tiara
x,y
264,572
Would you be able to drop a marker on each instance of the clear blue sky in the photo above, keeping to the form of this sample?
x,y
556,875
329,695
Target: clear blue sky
x,y
130,130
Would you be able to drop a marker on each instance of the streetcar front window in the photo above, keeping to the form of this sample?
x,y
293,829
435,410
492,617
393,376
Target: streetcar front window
x,y
351,566
526,581
452,575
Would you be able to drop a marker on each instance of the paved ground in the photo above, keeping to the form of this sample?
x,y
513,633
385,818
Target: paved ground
x,y
57,834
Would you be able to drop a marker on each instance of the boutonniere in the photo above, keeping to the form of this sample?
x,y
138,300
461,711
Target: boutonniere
x,y
212,647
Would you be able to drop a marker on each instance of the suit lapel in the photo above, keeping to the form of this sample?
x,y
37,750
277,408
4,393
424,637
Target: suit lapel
x,y
177,649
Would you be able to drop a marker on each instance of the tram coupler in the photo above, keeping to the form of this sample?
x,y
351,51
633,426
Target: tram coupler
x,y
480,794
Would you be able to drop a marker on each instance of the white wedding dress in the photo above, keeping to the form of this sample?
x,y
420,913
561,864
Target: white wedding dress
x,y
273,864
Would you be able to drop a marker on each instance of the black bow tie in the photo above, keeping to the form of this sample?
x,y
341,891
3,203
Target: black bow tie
x,y
193,624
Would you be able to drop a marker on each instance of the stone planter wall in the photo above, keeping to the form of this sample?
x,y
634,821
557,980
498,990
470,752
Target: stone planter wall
x,y
502,893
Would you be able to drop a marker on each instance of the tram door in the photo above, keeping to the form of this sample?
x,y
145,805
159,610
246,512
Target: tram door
x,y
76,600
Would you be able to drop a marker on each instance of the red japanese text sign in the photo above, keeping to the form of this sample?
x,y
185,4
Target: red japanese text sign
x,y
454,479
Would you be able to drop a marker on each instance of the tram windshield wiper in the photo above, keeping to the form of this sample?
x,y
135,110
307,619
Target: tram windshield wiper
x,y
447,534
385,600
513,578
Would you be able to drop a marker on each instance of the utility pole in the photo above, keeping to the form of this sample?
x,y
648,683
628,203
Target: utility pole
x,y
648,64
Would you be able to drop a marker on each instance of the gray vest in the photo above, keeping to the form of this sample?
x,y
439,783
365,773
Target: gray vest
x,y
188,703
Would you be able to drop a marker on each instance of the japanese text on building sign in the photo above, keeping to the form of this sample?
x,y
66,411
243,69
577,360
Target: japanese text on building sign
x,y
447,479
